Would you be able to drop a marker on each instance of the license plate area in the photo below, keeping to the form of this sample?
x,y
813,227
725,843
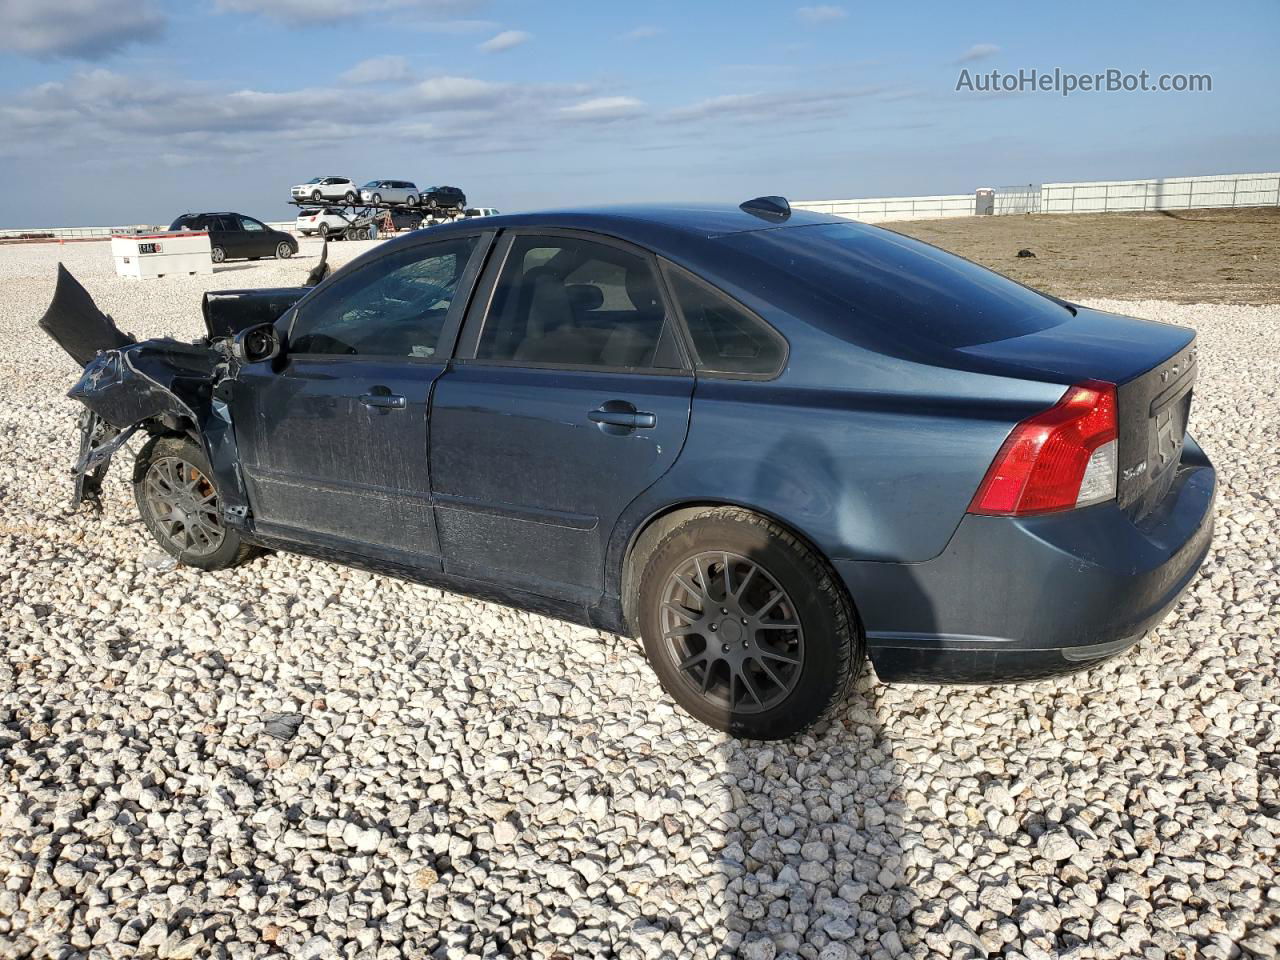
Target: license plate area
x,y
1154,410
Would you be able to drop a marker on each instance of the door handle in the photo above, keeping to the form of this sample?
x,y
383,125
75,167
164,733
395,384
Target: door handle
x,y
383,400
616,414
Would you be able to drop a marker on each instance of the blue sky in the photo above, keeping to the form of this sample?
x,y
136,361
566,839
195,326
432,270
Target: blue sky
x,y
121,111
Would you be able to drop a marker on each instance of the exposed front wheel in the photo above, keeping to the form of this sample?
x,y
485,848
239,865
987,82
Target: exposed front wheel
x,y
179,504
411,201
746,627
283,251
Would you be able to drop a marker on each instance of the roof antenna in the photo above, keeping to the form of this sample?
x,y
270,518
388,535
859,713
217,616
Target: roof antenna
x,y
773,209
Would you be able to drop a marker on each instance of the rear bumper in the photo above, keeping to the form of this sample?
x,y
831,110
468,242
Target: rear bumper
x,y
1021,599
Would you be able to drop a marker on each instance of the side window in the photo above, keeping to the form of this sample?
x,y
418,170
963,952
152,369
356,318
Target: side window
x,y
394,307
229,223
727,338
251,224
575,302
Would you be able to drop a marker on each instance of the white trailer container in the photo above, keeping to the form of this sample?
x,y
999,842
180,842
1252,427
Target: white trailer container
x,y
146,256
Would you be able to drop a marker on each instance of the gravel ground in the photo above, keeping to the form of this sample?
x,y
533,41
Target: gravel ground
x,y
292,758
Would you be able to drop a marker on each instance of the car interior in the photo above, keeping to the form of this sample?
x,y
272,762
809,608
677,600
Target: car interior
x,y
398,313
575,303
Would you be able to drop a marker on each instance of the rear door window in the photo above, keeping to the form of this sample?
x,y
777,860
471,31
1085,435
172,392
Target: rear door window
x,y
727,338
572,302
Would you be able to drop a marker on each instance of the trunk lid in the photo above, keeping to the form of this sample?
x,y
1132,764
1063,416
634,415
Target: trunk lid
x,y
1153,366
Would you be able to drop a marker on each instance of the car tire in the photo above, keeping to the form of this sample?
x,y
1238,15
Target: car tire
x,y
217,254
763,652
315,195
431,204
411,201
351,197
324,230
377,198
172,486
284,250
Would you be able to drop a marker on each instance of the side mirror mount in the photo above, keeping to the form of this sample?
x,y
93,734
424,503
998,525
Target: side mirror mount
x,y
258,343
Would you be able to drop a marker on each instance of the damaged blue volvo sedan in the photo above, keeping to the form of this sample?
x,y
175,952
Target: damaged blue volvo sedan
x,y
771,443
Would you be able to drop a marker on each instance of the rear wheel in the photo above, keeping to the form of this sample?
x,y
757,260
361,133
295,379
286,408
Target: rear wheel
x,y
746,627
217,254
179,504
324,229
411,201
351,197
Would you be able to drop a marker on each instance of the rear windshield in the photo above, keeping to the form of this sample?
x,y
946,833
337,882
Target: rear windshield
x,y
900,283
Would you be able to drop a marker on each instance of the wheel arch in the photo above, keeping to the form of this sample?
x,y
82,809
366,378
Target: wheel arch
x,y
167,427
646,534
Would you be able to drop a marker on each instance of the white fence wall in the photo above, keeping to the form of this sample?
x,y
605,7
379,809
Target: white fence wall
x,y
1172,193
879,209
1099,196
79,233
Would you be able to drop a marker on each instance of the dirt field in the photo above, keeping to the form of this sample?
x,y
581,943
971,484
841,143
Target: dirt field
x,y
1188,256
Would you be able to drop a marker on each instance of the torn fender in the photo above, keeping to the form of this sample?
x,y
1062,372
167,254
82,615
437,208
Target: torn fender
x,y
162,386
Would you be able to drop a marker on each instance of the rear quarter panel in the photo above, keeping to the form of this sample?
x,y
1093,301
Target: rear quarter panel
x,y
868,454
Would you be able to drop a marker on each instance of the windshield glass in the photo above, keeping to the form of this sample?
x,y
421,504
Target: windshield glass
x,y
901,283
374,183
316,180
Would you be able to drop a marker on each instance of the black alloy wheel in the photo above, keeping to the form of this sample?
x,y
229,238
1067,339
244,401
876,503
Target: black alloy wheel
x,y
179,504
746,626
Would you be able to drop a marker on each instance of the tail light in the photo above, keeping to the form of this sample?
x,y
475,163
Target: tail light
x,y
1062,458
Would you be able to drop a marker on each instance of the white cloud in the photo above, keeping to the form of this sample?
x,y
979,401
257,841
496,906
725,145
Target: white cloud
x,y
504,41
335,11
979,51
387,69
645,32
456,93
820,14
776,106
603,109
84,29
131,117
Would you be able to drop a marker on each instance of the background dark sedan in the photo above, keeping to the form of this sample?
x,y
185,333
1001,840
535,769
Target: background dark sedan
x,y
233,236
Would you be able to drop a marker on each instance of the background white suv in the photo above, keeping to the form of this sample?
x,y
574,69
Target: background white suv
x,y
325,221
390,191
326,188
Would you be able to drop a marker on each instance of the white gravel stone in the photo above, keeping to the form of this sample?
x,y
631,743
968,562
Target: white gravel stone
x,y
449,778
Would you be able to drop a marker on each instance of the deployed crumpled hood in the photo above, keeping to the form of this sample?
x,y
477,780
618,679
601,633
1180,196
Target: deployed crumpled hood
x,y
76,324
227,312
